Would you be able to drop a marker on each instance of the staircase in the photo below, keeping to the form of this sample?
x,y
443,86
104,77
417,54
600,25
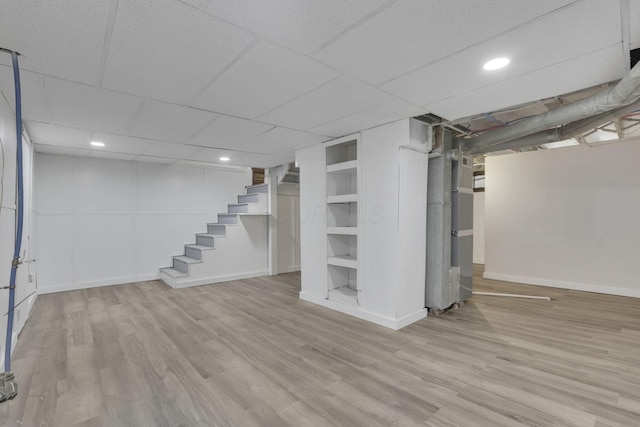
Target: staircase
x,y
235,247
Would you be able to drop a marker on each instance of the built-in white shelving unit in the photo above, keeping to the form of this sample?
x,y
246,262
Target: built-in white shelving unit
x,y
363,223
342,222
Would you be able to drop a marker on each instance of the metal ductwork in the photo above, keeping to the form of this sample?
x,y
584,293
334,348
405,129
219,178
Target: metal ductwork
x,y
561,133
626,92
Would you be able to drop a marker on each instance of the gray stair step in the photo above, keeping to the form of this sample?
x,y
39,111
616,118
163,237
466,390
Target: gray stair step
x,y
249,198
217,229
182,262
204,239
195,251
260,188
238,207
170,271
228,218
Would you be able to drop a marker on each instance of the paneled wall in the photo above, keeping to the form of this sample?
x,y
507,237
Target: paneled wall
x,y
566,217
106,222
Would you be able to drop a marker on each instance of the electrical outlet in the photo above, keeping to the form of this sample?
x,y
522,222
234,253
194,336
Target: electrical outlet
x,y
30,277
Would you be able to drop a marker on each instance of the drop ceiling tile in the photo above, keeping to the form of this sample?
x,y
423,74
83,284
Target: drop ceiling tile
x,y
263,161
166,51
264,78
42,133
228,132
152,159
55,149
301,25
527,47
110,156
412,33
120,143
280,140
210,154
168,122
604,66
339,98
238,158
381,114
59,38
86,107
169,150
34,104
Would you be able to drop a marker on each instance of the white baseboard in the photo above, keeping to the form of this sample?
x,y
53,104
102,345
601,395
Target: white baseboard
x,y
182,283
586,287
289,269
356,311
478,260
96,284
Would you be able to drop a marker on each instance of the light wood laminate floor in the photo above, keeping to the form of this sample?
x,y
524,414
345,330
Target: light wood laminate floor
x,y
250,353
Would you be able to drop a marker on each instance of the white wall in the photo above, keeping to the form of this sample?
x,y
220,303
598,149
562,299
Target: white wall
x,y
478,227
288,228
566,218
24,287
103,222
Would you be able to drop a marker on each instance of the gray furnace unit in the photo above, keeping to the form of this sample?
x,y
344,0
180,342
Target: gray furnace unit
x,y
449,225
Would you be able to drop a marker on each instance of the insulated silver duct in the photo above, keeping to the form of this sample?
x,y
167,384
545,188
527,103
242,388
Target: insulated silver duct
x,y
561,133
624,93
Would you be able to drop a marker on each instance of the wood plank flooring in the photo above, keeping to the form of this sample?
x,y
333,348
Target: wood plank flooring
x,y
250,353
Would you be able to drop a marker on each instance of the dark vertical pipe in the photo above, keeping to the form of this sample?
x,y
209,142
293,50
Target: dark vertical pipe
x,y
19,214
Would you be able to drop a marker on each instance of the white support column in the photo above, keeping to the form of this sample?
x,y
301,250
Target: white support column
x,y
271,176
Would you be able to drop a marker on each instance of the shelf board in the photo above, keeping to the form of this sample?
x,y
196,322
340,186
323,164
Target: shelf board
x,y
343,198
343,261
350,231
350,167
344,295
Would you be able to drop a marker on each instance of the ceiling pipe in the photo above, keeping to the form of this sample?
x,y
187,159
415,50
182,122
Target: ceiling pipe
x,y
561,133
625,92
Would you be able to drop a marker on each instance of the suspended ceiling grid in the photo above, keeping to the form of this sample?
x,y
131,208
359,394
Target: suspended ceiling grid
x,y
164,80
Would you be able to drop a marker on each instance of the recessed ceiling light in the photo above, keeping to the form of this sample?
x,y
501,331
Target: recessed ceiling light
x,y
224,159
97,144
496,64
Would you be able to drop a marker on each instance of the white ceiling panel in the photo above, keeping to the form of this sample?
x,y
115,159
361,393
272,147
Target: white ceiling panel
x,y
111,156
34,104
42,133
209,154
56,149
263,161
301,25
62,38
168,122
604,66
239,158
164,50
151,159
86,107
121,143
264,78
341,97
385,113
412,33
280,140
228,132
169,150
527,47
194,3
